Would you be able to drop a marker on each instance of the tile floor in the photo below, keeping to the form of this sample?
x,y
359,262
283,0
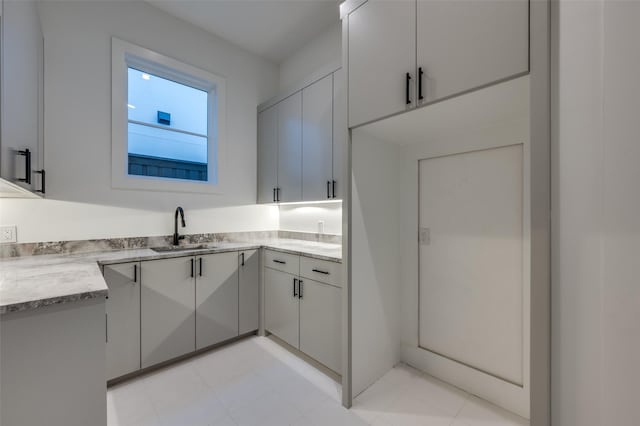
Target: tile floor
x,y
257,382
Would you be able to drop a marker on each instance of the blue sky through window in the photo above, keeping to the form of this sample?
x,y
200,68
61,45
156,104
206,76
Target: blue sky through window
x,y
185,138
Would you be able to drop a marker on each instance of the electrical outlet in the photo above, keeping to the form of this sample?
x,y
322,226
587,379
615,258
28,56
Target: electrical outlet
x,y
8,234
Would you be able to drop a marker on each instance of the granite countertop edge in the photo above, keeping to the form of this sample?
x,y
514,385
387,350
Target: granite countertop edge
x,y
98,287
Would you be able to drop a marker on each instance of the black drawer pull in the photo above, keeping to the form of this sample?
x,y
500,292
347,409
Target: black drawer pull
x,y
320,272
43,182
243,259
328,189
27,166
295,281
282,262
200,266
334,188
192,273
407,80
135,273
300,287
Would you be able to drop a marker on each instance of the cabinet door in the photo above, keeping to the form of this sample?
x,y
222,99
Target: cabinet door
x,y
281,306
381,52
167,300
317,140
216,298
249,291
290,148
123,318
321,323
267,154
470,43
21,94
339,132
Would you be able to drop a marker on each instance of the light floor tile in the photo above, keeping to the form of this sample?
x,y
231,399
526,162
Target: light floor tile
x,y
257,382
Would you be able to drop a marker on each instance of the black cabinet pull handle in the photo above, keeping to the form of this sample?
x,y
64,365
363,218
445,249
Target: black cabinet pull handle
x,y
278,194
243,259
192,268
42,181
334,189
300,282
135,273
295,280
106,328
320,272
407,80
27,166
282,262
200,266
420,74
328,189
274,195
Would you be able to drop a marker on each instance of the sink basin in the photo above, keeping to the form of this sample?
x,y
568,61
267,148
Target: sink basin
x,y
165,249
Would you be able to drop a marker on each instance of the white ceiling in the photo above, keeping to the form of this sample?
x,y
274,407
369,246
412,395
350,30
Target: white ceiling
x,y
273,29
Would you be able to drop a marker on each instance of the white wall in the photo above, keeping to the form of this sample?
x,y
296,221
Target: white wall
x,y
305,217
78,126
324,50
595,208
52,220
375,282
78,97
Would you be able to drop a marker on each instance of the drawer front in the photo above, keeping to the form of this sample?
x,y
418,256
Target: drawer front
x,y
321,270
284,262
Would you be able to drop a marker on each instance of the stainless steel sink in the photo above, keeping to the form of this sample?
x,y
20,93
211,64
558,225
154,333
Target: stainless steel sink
x,y
165,249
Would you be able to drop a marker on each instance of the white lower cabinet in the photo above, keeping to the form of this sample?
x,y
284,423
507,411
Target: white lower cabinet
x,y
305,313
249,290
216,298
158,310
321,322
168,317
122,319
281,305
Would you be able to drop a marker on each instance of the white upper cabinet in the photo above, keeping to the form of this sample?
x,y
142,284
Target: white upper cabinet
x,y
290,149
301,143
339,132
22,95
404,54
470,43
267,154
382,53
317,140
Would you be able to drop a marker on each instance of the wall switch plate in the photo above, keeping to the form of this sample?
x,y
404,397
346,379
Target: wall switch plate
x,y
321,227
424,236
8,234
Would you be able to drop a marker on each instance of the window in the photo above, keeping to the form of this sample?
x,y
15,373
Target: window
x,y
168,123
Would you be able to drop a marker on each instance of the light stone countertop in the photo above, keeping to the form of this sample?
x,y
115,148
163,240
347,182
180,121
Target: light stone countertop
x,y
34,281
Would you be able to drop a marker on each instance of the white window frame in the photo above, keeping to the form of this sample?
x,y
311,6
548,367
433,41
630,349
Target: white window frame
x,y
125,55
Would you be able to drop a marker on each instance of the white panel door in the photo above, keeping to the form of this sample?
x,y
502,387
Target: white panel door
x,y
267,154
471,260
216,298
382,43
464,44
123,318
290,148
249,291
167,302
317,140
321,322
281,307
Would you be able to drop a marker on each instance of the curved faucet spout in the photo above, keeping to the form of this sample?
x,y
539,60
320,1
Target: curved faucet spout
x,y
177,237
